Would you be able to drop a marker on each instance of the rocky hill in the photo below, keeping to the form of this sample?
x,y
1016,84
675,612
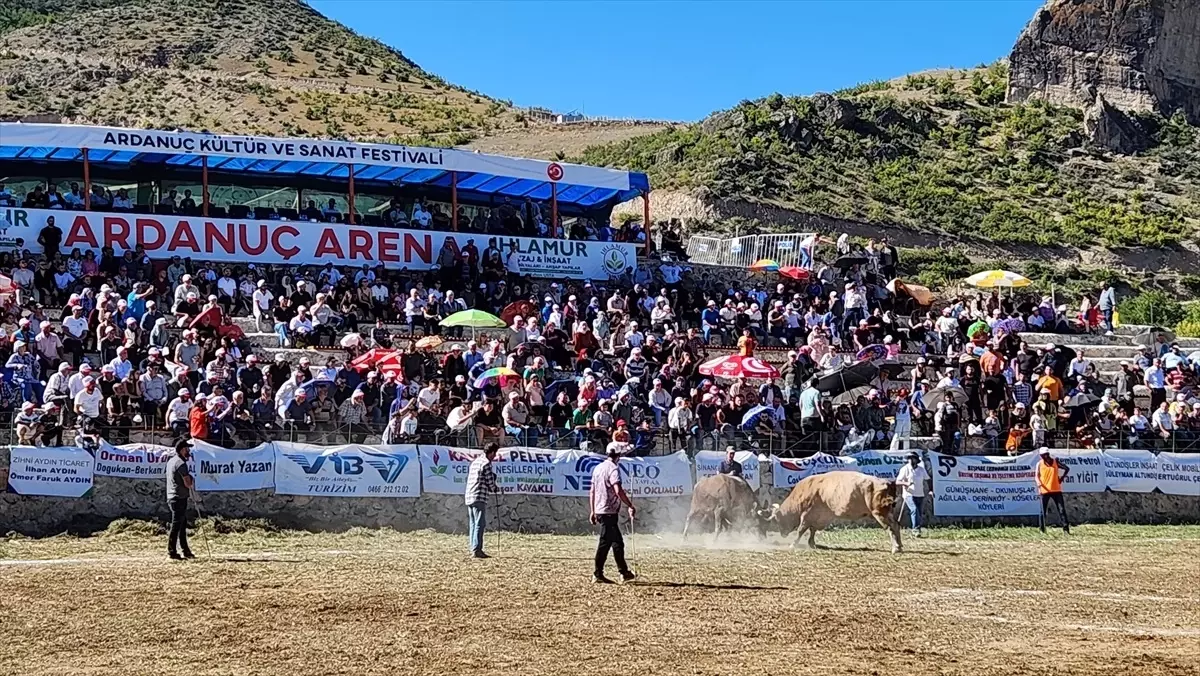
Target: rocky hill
x,y
1140,55
239,66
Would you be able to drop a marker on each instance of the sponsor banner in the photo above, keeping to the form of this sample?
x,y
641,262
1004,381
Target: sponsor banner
x,y
1087,473
302,242
654,477
985,485
1179,473
708,462
528,471
133,461
99,139
788,472
223,469
59,471
350,471
1131,471
882,464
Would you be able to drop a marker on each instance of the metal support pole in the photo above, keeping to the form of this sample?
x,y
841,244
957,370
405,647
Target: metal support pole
x,y
87,182
454,200
204,185
351,207
646,220
553,209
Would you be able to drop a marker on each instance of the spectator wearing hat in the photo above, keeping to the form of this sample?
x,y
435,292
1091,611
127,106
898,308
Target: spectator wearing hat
x,y
516,420
913,481
681,423
25,372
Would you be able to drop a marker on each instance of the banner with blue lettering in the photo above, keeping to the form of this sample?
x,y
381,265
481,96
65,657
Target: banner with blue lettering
x,y
653,477
59,471
223,469
788,472
984,485
350,471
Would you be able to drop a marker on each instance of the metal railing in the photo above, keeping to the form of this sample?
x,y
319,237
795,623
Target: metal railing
x,y
794,249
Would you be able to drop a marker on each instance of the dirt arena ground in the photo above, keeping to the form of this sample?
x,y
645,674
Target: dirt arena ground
x,y
1105,600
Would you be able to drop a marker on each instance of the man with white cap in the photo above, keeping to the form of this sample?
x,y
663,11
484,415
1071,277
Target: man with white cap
x,y
185,289
300,329
75,332
179,412
121,365
296,417
87,401
154,392
263,298
49,347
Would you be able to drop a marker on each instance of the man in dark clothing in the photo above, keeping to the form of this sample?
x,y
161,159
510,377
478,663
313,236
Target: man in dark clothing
x,y
179,486
50,238
729,465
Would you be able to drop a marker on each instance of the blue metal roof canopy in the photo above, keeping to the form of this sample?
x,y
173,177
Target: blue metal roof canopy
x,y
472,187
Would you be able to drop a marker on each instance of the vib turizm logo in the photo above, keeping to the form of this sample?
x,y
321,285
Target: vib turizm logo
x,y
389,466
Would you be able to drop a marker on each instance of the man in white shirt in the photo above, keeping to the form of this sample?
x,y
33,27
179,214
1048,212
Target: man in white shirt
x,y
1164,425
912,479
122,201
179,410
420,217
430,395
262,306
670,272
301,327
513,264
87,401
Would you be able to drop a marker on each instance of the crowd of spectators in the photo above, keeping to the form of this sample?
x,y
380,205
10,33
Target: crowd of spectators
x,y
152,344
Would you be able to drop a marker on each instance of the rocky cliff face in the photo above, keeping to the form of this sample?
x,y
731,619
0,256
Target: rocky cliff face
x,y
1139,54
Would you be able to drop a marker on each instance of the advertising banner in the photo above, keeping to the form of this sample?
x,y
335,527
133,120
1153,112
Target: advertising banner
x,y
708,462
296,242
1130,470
133,461
222,469
662,476
99,139
527,471
61,471
882,464
1179,473
350,471
1087,473
791,471
981,485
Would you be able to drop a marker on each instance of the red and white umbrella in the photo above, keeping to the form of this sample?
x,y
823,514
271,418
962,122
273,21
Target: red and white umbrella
x,y
736,366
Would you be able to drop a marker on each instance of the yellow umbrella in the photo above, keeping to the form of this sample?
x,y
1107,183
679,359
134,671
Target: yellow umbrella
x,y
994,278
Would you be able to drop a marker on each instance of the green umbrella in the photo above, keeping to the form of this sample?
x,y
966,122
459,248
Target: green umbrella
x,y
476,319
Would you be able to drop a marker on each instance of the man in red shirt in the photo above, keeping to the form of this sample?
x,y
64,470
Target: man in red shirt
x,y
605,498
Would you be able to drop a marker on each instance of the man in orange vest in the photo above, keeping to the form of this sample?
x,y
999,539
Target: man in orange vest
x,y
1049,483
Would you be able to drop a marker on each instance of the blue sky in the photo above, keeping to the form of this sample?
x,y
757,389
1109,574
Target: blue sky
x,y
681,60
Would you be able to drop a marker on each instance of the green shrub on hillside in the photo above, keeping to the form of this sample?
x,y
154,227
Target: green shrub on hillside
x,y
1154,308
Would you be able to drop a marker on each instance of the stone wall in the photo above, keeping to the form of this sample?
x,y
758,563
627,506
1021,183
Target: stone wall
x,y
114,498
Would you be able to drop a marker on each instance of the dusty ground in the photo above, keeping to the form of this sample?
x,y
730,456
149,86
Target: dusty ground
x,y
1106,600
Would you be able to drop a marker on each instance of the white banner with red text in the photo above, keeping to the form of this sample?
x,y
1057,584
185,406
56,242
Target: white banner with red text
x,y
302,242
100,139
133,461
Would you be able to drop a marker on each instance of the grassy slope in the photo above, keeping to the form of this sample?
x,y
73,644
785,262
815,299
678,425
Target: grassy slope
x,y
938,153
240,66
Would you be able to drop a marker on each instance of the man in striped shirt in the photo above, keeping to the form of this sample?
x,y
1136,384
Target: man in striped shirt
x,y
481,480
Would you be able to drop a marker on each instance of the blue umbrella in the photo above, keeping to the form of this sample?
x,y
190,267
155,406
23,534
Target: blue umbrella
x,y
751,420
567,385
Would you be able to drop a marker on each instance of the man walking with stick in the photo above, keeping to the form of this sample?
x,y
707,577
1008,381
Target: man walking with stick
x,y
605,499
179,486
481,480
1049,483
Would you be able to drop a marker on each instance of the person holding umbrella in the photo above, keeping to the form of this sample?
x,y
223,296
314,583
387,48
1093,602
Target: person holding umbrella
x,y
1050,474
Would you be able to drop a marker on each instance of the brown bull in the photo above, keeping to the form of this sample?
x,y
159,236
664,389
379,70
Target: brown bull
x,y
818,501
727,500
